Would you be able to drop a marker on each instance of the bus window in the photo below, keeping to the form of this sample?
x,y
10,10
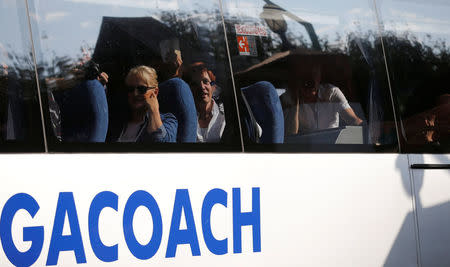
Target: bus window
x,y
416,36
136,76
311,76
20,121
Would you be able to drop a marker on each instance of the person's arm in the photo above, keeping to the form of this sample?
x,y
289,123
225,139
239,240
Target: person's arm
x,y
154,116
98,111
349,116
290,106
345,111
167,133
160,128
170,124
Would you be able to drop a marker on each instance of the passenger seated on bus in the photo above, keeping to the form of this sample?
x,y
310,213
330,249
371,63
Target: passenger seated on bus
x,y
210,114
144,121
172,62
175,95
310,105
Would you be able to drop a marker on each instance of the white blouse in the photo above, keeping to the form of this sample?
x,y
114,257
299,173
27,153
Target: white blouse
x,y
215,128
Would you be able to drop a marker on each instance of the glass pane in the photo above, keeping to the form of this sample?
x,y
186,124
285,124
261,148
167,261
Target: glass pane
x,y
20,124
312,75
138,75
416,36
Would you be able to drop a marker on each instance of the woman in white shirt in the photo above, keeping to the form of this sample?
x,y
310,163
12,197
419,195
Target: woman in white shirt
x,y
211,117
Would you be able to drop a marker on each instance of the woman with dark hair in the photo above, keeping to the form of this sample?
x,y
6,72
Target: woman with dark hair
x,y
211,117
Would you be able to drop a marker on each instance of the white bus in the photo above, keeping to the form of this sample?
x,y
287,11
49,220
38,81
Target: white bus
x,y
224,133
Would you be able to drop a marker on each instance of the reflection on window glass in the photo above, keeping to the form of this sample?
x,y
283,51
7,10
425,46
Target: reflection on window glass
x,y
19,110
311,73
417,36
135,71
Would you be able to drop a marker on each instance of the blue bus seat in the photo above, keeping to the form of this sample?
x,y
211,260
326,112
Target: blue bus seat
x,y
84,113
266,108
175,97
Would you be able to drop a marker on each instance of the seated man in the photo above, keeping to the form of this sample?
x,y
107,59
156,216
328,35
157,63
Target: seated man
x,y
309,105
175,96
211,117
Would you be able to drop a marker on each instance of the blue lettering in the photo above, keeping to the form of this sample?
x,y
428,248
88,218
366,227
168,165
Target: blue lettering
x,y
240,219
101,201
60,242
137,199
33,234
187,236
106,199
215,196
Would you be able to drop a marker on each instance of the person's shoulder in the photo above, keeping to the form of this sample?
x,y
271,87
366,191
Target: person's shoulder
x,y
328,91
328,87
218,107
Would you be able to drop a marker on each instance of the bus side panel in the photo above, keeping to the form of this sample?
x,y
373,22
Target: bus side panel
x,y
432,194
314,209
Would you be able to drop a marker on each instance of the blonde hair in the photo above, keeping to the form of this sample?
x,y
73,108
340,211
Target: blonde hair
x,y
145,73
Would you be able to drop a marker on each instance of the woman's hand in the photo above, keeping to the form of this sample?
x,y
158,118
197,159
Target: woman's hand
x,y
153,111
103,78
152,101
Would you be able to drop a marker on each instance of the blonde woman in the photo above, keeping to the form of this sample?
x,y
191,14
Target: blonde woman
x,y
144,121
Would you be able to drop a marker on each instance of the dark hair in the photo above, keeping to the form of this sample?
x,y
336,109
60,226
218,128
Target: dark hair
x,y
91,70
197,67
